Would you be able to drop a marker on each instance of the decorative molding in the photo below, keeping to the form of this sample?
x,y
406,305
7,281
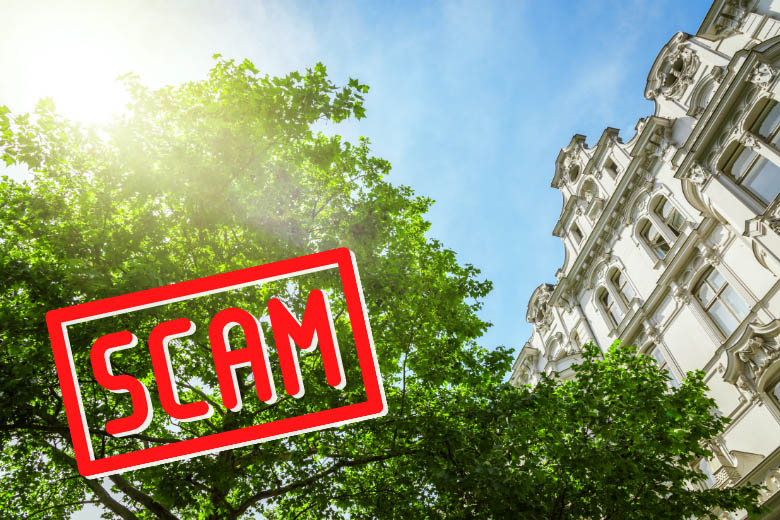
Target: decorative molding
x,y
753,357
748,140
698,174
763,75
675,72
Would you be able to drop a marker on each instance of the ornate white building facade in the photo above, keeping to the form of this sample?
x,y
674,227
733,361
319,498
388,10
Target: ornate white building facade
x,y
672,239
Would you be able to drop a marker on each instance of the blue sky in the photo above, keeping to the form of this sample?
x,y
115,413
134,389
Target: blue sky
x,y
470,100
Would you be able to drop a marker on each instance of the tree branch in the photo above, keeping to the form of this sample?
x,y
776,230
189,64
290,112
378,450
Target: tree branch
x,y
102,495
142,498
66,504
270,493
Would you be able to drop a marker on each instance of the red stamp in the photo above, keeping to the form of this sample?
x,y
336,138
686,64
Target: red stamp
x,y
315,328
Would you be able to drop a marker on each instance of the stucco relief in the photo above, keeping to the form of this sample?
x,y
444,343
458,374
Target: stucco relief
x,y
675,72
754,358
763,75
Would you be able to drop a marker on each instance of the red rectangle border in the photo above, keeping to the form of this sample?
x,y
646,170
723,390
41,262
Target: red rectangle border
x,y
374,406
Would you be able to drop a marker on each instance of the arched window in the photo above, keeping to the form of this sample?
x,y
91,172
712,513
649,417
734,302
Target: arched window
x,y
610,307
723,304
669,215
653,239
621,285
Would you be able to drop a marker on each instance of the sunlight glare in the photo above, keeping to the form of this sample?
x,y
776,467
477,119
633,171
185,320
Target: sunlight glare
x,y
78,71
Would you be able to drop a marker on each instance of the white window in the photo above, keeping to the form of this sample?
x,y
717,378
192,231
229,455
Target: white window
x,y
654,239
669,215
726,308
609,306
768,123
622,286
756,173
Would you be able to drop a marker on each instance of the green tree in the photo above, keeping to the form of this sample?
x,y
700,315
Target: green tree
x,y
227,173
615,442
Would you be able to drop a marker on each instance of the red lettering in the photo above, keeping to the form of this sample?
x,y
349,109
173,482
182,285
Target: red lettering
x,y
101,366
226,361
316,327
159,339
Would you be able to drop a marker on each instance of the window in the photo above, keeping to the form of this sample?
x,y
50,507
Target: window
x,y
726,308
749,168
669,215
574,173
704,467
620,283
654,240
657,354
768,123
576,233
611,167
610,307
756,173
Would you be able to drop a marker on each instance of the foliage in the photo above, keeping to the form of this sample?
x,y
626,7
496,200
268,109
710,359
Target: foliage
x,y
227,173
615,442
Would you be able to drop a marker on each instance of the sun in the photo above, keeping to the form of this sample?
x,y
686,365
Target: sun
x,y
74,62
76,77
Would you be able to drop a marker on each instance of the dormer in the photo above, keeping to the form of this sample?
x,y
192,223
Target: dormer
x,y
570,165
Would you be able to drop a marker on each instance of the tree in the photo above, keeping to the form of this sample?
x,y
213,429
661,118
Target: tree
x,y
227,173
616,441
209,177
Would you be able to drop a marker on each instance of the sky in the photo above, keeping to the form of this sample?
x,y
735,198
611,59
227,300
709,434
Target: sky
x,y
470,101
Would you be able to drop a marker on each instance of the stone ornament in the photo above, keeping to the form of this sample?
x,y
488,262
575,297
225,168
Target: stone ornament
x,y
763,75
757,355
698,174
750,141
675,73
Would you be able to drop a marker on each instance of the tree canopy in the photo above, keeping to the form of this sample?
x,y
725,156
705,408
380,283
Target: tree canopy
x,y
226,173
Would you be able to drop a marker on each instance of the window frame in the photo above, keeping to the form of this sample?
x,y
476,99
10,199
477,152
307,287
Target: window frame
x,y
770,138
675,230
617,273
607,303
717,296
645,227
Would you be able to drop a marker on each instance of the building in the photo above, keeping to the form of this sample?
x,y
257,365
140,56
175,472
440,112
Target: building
x,y
672,238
